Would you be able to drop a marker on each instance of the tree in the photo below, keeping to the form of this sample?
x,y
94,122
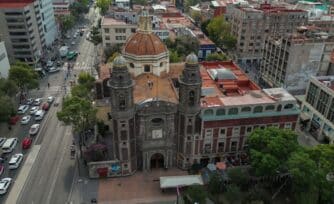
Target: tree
x,y
112,57
86,79
233,194
216,57
186,44
23,76
238,176
79,7
220,32
8,87
7,108
174,57
80,91
103,5
66,22
215,185
270,149
197,17
196,193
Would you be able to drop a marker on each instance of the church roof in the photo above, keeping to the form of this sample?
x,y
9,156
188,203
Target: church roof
x,y
144,43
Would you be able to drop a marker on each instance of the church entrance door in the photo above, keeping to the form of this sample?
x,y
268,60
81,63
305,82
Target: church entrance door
x,y
157,161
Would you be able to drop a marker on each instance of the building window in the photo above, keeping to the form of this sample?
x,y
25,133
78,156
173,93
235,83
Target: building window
x,y
233,111
287,126
246,109
208,112
330,115
270,107
208,133
207,148
249,129
220,112
312,94
108,44
120,30
106,30
191,100
258,109
279,108
132,65
234,146
107,37
222,132
133,30
288,106
236,131
147,68
221,146
323,102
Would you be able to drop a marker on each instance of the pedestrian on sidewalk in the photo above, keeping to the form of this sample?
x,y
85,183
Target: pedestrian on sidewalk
x,y
48,85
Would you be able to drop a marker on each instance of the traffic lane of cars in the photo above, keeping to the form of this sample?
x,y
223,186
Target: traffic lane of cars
x,y
14,159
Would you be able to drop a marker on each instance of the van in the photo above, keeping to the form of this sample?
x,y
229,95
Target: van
x,y
39,115
9,145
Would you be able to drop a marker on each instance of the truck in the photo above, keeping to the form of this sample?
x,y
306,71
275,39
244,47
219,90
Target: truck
x,y
63,51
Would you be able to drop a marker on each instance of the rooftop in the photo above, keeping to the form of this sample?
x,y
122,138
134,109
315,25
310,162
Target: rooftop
x,y
16,4
327,81
107,21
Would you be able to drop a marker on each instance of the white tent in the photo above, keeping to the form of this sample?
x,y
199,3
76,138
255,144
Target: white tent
x,y
175,181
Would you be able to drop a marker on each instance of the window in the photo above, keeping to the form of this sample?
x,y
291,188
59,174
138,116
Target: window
x,y
222,132
208,133
132,65
191,100
246,109
234,145
233,111
258,109
133,30
312,94
287,126
270,107
279,108
288,106
220,112
208,112
249,129
120,37
221,146
120,30
147,68
236,131
157,121
207,149
123,135
107,37
323,102
106,30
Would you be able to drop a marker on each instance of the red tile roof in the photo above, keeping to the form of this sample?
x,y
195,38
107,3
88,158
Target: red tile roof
x,y
15,3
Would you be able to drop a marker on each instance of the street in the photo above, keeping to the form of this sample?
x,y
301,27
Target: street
x,y
51,176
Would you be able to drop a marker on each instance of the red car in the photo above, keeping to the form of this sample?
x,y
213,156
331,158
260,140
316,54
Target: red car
x,y
26,142
45,106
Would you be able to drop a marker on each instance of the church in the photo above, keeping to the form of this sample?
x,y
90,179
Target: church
x,y
166,115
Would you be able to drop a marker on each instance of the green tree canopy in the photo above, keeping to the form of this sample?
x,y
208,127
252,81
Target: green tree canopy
x,y
174,57
196,193
181,47
238,176
215,185
8,87
86,79
7,108
103,5
80,91
220,32
79,7
66,22
23,76
216,57
270,148
77,112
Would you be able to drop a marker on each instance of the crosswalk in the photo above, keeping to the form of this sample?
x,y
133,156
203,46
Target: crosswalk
x,y
52,91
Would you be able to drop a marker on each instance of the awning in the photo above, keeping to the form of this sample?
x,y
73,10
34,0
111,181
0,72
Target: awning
x,y
180,181
304,117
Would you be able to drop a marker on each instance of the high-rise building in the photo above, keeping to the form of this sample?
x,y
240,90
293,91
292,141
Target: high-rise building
x,y
4,63
252,26
49,22
290,61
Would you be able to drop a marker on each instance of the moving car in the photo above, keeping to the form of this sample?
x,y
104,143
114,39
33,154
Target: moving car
x,y
45,106
9,145
37,101
39,115
34,109
15,161
50,99
22,109
25,120
4,185
26,142
2,141
34,129
53,69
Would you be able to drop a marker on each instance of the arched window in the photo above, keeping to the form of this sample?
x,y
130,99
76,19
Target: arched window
x,y
191,99
121,101
279,107
157,121
132,65
161,64
220,112
258,109
208,112
233,111
270,107
288,106
246,109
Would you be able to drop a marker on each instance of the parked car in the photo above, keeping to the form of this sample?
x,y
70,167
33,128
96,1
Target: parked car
x,y
15,161
34,129
25,120
22,109
26,142
45,106
29,101
50,99
34,109
53,69
9,145
37,101
39,115
2,141
4,185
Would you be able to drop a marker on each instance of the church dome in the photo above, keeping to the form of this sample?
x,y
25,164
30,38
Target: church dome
x,y
143,44
192,59
119,61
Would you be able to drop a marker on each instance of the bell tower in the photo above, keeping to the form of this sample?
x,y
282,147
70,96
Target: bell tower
x,y
122,113
189,126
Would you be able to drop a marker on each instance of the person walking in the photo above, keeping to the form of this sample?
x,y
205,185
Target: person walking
x,y
48,85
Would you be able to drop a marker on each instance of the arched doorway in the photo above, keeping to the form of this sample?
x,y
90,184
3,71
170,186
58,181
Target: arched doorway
x,y
157,161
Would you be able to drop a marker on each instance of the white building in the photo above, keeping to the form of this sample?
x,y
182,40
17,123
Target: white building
x,y
4,63
49,22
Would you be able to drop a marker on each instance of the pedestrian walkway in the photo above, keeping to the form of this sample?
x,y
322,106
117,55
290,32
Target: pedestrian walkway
x,y
23,175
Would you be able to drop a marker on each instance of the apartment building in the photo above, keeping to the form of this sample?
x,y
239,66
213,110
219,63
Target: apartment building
x,y
4,62
61,9
116,31
49,21
325,23
291,60
317,115
251,26
22,30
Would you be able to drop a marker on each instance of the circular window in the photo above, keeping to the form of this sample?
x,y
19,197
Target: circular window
x,y
132,65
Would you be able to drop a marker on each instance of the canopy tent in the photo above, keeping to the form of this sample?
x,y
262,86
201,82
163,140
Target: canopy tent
x,y
175,181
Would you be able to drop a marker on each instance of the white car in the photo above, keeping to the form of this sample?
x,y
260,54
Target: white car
x,y
29,101
15,161
22,109
49,63
37,101
53,69
50,99
34,109
4,185
39,115
34,129
25,120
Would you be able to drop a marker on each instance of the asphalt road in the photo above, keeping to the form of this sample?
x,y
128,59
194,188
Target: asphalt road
x,y
52,175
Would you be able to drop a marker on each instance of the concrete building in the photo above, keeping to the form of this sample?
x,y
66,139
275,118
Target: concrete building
x,y
290,61
4,62
325,23
122,4
317,115
251,26
116,31
314,9
22,30
61,9
175,115
49,21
